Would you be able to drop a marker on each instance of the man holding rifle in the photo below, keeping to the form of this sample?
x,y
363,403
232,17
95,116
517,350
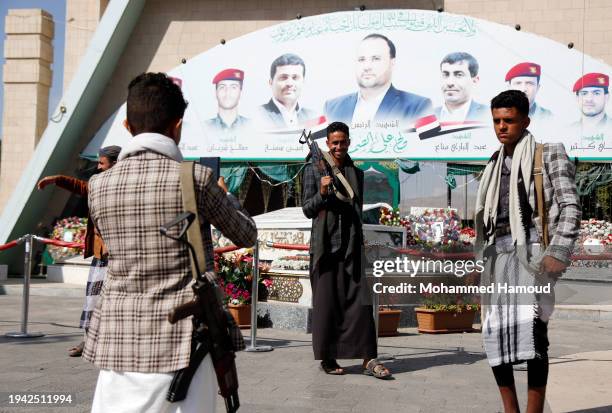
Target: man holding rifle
x,y
342,319
130,338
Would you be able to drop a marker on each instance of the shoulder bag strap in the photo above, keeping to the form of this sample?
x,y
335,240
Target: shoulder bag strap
x,y
341,178
539,188
190,204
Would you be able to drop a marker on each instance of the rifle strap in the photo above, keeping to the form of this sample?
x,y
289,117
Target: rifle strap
x,y
194,236
340,177
539,189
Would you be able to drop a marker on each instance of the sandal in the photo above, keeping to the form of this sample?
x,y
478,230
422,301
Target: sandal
x,y
377,369
77,350
332,367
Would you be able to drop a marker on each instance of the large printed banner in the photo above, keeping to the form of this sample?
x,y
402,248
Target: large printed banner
x,y
410,84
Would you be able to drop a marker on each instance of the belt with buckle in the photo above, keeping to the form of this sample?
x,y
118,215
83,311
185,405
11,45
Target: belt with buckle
x,y
502,230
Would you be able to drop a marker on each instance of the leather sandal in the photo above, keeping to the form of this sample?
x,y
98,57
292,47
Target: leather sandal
x,y
77,350
376,369
332,367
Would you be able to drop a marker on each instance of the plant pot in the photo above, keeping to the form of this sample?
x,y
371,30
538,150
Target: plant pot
x,y
432,321
241,314
388,321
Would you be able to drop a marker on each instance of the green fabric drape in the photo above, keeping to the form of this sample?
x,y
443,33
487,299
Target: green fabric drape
x,y
279,172
234,174
460,170
407,166
391,171
453,169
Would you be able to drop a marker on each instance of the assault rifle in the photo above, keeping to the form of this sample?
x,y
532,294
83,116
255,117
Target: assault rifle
x,y
211,329
325,165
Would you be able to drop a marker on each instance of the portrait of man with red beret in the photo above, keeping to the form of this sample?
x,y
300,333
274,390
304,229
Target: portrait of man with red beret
x,y
592,97
228,88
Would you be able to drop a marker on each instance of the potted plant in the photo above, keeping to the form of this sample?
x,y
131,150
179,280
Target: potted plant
x,y
235,272
443,313
388,321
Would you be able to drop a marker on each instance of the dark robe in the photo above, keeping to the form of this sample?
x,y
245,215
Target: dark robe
x,y
342,319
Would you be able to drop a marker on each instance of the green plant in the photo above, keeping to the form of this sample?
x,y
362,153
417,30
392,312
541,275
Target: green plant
x,y
456,303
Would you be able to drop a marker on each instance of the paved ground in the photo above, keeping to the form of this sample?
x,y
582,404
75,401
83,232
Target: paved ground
x,y
443,373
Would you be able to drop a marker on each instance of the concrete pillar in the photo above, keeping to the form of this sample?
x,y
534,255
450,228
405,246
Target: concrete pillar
x,y
82,17
27,80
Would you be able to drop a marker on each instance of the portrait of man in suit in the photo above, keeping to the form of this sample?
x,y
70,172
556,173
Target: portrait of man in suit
x,y
377,100
287,74
459,76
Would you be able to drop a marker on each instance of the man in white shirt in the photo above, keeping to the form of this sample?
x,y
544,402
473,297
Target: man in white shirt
x,y
283,111
459,76
377,103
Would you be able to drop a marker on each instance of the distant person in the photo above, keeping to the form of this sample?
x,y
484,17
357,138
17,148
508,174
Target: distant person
x,y
376,100
283,110
342,324
228,88
459,78
130,338
107,157
520,251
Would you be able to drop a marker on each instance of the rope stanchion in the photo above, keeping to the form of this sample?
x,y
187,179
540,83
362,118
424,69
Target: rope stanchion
x,y
253,347
25,303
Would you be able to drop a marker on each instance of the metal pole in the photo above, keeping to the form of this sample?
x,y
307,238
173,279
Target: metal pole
x,y
25,301
466,196
375,309
252,347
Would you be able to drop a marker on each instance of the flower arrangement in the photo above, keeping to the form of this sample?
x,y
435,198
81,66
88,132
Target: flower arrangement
x,y
298,262
433,230
593,229
467,235
595,237
235,273
72,229
437,225
392,217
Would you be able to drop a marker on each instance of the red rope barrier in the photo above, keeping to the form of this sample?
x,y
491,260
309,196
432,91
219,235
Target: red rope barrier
x,y
228,248
299,247
59,243
304,247
10,244
586,257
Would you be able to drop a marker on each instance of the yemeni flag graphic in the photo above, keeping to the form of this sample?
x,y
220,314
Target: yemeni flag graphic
x,y
317,126
429,127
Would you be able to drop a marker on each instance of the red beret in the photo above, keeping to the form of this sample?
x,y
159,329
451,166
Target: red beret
x,y
591,80
523,69
229,74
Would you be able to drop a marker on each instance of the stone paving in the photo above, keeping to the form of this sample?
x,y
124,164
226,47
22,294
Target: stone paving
x,y
433,373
